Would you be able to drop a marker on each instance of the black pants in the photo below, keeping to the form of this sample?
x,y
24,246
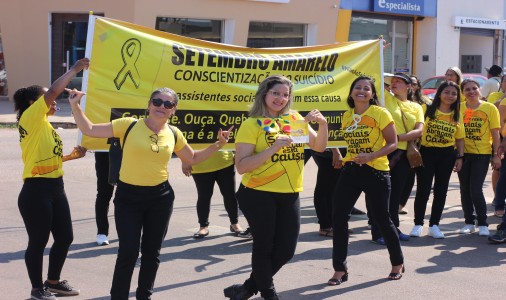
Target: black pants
x,y
408,188
399,179
44,207
500,189
146,210
354,180
274,220
438,165
471,177
326,180
104,192
225,178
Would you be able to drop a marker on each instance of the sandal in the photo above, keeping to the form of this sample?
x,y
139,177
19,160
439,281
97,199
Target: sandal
x,y
201,234
396,276
337,281
237,228
499,213
329,232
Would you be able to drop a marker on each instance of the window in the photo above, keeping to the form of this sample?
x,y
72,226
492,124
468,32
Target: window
x,y
208,30
268,35
397,31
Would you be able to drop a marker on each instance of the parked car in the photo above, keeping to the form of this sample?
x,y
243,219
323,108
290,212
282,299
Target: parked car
x,y
430,85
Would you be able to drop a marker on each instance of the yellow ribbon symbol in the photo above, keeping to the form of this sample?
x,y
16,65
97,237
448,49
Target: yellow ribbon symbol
x,y
130,52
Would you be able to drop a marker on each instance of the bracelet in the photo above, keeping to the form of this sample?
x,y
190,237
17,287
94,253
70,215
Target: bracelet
x,y
217,145
459,157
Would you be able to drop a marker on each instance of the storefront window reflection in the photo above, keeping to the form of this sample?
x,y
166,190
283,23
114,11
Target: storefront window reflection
x,y
398,56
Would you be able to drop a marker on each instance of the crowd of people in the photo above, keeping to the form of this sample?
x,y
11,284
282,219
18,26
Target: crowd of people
x,y
458,130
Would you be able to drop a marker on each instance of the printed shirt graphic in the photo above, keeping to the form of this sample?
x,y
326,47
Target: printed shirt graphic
x,y
367,136
413,113
146,154
477,125
442,131
283,172
41,146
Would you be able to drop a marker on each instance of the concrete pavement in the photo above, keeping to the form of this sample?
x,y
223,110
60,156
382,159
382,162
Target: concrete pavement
x,y
458,267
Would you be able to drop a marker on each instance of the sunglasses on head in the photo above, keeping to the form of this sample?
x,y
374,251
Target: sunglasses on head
x,y
167,104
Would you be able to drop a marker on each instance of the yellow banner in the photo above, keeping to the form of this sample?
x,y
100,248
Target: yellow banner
x,y
215,82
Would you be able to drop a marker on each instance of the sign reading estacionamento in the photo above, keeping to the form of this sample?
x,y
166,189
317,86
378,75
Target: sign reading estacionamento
x,y
215,82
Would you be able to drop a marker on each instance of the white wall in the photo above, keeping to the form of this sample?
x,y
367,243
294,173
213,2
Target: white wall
x,y
477,45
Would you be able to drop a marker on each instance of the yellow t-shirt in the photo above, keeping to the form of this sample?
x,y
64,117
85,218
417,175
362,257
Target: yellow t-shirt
x,y
366,136
442,131
218,161
283,172
478,124
41,146
493,97
413,113
146,154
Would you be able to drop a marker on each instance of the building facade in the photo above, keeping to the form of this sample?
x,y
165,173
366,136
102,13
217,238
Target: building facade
x,y
40,40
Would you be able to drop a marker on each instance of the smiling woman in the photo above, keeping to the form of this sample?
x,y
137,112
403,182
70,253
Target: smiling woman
x,y
144,197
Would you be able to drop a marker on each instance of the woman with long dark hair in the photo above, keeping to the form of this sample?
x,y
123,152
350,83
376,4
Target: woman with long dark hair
x,y
365,169
443,133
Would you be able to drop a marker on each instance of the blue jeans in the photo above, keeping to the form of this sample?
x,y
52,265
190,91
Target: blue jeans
x,y
471,177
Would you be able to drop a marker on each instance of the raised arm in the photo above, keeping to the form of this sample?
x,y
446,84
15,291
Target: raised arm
x,y
84,124
318,141
59,85
193,157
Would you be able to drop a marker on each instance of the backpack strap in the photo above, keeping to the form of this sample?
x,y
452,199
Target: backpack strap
x,y
126,133
174,132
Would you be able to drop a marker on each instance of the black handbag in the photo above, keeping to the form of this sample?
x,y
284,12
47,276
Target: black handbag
x,y
116,155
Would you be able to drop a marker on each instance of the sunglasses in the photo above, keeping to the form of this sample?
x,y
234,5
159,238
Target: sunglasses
x,y
167,104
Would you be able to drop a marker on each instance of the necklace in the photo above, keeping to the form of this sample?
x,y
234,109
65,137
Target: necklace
x,y
279,124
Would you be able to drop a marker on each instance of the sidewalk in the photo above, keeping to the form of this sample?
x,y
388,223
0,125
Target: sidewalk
x,y
62,119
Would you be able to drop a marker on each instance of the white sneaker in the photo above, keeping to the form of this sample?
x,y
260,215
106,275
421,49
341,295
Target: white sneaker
x,y
102,240
435,232
483,230
469,228
416,231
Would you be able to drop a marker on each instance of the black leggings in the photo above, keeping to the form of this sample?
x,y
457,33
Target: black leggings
x,y
142,215
44,207
225,178
104,192
274,219
354,180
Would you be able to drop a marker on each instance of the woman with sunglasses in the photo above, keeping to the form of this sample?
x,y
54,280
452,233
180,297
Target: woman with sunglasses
x,y
365,169
144,198
42,201
481,123
443,133
272,166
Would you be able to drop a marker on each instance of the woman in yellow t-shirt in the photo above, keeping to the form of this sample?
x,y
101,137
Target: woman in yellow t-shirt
x,y
442,133
481,123
408,119
42,201
370,135
272,166
144,198
220,169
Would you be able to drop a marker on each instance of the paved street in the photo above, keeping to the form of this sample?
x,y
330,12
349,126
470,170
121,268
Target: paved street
x,y
458,267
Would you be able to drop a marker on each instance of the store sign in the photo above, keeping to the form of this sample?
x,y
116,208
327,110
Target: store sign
x,y
404,7
472,22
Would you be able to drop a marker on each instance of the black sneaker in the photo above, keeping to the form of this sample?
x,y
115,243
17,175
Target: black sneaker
x,y
42,294
499,236
62,287
246,234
